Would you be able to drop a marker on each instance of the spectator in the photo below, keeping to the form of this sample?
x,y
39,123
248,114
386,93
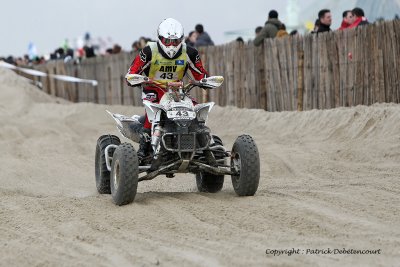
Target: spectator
x,y
258,30
191,39
142,42
135,46
38,60
359,18
325,19
316,26
89,51
116,49
139,44
26,59
19,61
240,40
60,53
10,60
270,29
294,33
348,19
282,31
109,51
203,39
69,55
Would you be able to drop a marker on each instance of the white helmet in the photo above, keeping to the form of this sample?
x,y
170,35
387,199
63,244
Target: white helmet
x,y
170,36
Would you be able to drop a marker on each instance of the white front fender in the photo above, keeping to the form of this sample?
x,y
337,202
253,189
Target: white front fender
x,y
202,110
153,110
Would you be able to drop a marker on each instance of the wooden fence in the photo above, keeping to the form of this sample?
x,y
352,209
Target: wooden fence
x,y
341,68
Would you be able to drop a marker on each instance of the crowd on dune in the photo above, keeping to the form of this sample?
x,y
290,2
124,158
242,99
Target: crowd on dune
x,y
275,28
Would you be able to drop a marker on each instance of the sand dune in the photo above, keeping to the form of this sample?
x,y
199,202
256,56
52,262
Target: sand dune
x,y
329,179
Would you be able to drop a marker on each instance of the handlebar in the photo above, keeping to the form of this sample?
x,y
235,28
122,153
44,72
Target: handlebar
x,y
205,83
176,85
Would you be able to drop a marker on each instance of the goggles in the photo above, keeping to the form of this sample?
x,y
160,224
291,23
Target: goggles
x,y
169,41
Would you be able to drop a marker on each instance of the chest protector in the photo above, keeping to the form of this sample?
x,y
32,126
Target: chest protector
x,y
165,69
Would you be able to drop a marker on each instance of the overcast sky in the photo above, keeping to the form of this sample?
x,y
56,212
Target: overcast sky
x,y
48,22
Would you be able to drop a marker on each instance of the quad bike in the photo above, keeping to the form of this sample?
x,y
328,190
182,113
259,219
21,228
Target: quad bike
x,y
180,143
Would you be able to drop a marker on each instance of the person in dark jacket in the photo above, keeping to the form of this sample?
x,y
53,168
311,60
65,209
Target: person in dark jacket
x,y
258,30
203,39
270,29
359,18
325,19
316,26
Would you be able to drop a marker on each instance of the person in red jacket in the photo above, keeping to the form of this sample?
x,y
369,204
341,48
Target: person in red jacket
x,y
359,18
348,19
166,60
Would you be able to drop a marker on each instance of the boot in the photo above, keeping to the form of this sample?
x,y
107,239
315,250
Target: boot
x,y
144,144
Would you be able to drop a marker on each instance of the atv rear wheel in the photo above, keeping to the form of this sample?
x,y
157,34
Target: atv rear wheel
x,y
207,182
101,172
245,161
124,174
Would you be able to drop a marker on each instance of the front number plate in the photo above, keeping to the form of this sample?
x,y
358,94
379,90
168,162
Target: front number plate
x,y
181,115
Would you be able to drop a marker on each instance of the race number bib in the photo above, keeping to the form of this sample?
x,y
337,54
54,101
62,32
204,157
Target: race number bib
x,y
166,75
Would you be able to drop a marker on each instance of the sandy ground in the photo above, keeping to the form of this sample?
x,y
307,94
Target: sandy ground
x,y
329,179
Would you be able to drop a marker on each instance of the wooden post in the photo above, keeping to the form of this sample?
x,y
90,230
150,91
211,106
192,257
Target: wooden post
x,y
109,100
300,80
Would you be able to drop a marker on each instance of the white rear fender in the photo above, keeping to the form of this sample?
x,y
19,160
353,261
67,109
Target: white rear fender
x,y
119,118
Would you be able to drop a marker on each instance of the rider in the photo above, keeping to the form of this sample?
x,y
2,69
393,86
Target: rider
x,y
166,60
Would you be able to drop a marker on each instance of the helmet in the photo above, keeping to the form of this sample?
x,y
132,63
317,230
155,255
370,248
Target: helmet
x,y
170,36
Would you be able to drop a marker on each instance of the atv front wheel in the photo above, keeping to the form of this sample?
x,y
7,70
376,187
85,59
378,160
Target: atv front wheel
x,y
101,172
207,182
124,174
245,162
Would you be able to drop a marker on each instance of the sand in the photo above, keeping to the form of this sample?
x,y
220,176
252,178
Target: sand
x,y
329,179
